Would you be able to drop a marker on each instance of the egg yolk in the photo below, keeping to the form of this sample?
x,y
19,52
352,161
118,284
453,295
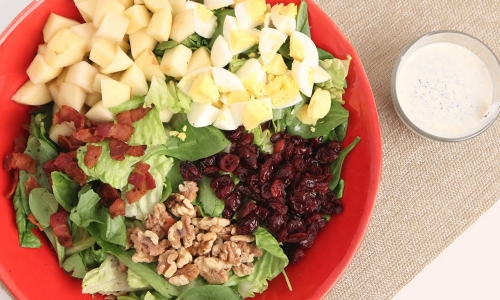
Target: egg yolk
x,y
304,118
320,104
282,90
256,9
204,13
204,90
276,66
297,49
256,112
242,39
237,96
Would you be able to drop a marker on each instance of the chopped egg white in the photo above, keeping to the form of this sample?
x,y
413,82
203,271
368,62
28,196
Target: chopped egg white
x,y
320,75
283,17
202,114
270,41
215,4
204,19
187,81
303,74
225,120
303,48
226,81
257,111
250,13
253,76
220,55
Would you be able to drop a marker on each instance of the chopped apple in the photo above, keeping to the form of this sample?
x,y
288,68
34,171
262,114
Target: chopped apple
x,y
157,5
92,99
199,59
55,23
120,62
149,65
64,129
40,72
87,32
139,18
182,25
96,85
65,48
134,77
87,9
127,3
114,92
113,26
138,2
160,25
177,6
82,74
140,41
100,114
106,6
71,95
53,86
124,44
103,53
175,61
32,94
42,49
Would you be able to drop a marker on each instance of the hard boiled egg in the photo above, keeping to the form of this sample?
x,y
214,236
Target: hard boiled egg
x,y
250,13
237,112
253,76
220,55
204,90
204,19
303,48
202,114
226,81
186,82
321,75
257,111
283,92
270,41
238,37
283,17
166,115
225,119
215,4
303,74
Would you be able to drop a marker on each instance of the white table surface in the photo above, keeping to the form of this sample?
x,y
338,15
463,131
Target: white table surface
x,y
468,269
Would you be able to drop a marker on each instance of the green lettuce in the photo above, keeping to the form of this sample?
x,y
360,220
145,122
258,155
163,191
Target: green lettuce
x,y
262,138
148,130
338,70
165,95
65,190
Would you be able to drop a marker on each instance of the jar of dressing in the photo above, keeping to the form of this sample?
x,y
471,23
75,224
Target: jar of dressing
x,y
446,86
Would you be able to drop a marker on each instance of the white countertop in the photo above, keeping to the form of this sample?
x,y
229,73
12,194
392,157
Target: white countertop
x,y
468,269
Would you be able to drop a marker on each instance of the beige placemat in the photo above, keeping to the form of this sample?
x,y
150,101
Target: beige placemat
x,y
430,192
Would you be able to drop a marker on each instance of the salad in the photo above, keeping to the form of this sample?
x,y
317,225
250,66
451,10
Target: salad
x,y
177,149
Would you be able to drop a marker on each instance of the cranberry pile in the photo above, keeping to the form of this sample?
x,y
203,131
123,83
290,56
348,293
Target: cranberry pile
x,y
286,191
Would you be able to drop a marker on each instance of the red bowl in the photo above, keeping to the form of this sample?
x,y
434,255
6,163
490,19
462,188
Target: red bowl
x,y
35,273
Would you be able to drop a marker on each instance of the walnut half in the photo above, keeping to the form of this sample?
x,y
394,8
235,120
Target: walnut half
x,y
212,269
182,233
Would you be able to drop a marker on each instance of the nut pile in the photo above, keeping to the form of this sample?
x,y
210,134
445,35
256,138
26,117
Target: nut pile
x,y
192,246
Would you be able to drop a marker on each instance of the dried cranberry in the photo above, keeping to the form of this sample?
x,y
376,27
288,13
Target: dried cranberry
x,y
247,139
265,125
335,146
210,171
189,171
326,155
247,225
277,188
276,221
222,186
229,162
276,136
248,209
294,253
276,158
266,191
284,171
296,224
235,135
297,237
266,171
279,146
233,201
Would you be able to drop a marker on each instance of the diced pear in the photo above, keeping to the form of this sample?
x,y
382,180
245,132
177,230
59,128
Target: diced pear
x,y
134,77
138,2
53,86
55,23
124,44
199,59
40,72
139,18
177,6
82,74
87,9
182,25
100,114
42,49
140,41
92,99
166,115
157,5
160,25
120,62
96,85
65,48
103,53
113,26
175,61
149,65
86,31
32,94
71,95
114,92
116,76
105,6
127,3
64,129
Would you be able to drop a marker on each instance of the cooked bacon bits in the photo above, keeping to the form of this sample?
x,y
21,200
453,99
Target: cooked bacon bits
x,y
142,181
20,144
87,135
130,116
121,132
92,155
19,161
32,219
69,114
117,208
136,151
66,163
107,193
13,187
30,185
119,149
59,224
69,143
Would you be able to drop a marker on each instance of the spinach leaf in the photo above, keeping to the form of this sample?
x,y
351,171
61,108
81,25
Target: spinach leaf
x,y
159,50
88,209
235,64
60,250
210,292
195,41
341,131
335,117
221,17
81,240
41,121
174,175
75,264
287,117
339,189
323,54
199,143
42,205
303,20
336,166
207,201
65,190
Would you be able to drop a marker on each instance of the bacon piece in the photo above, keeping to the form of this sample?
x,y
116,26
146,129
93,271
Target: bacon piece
x,y
13,187
130,116
59,224
19,161
87,135
107,193
142,181
117,208
32,219
20,144
30,185
66,162
92,155
69,143
121,132
69,114
136,151
117,149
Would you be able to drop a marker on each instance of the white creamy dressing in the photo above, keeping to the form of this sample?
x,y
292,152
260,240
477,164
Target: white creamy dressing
x,y
444,89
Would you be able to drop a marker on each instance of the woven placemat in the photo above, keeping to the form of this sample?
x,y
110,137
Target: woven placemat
x,y
430,192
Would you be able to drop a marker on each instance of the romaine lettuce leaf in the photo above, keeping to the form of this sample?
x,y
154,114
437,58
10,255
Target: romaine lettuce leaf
x,y
65,190
338,70
167,95
148,130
